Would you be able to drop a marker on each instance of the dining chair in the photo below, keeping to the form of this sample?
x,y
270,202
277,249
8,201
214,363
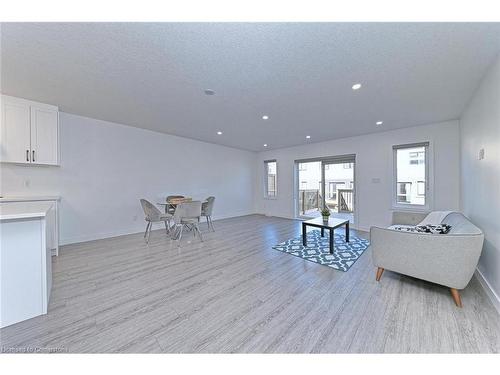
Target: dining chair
x,y
153,215
187,215
206,210
171,208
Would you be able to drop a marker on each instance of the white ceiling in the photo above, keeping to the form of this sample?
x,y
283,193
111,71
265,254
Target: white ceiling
x,y
152,76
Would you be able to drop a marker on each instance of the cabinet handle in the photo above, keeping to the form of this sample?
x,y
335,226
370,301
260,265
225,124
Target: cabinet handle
x,y
27,155
33,157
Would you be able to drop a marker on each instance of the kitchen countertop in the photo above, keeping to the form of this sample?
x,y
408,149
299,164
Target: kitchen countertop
x,y
27,198
24,210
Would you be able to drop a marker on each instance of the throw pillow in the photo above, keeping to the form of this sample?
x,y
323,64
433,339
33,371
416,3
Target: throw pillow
x,y
434,229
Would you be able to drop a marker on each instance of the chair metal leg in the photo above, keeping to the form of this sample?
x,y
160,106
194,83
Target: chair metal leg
x,y
180,236
197,229
211,224
147,229
208,223
149,232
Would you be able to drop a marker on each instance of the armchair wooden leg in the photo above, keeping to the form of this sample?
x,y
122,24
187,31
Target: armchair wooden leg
x,y
380,271
456,297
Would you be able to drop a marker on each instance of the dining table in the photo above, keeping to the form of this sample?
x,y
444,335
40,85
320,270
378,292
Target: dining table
x,y
175,202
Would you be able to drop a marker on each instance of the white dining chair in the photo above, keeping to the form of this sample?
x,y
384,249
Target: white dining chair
x,y
187,215
153,215
207,208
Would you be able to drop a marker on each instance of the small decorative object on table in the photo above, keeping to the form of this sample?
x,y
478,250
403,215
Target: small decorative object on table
x,y
325,212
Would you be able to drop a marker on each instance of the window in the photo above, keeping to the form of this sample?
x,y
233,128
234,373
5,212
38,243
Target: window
x,y
302,166
347,165
411,170
271,181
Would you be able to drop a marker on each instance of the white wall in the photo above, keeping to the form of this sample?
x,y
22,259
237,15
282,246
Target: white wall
x,y
107,167
374,159
480,128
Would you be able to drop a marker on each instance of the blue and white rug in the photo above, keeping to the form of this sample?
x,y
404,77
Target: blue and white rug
x,y
318,249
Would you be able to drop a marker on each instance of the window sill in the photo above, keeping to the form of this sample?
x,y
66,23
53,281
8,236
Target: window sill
x,y
411,208
270,198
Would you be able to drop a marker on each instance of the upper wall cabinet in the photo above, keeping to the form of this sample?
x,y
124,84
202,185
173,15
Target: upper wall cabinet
x,y
29,132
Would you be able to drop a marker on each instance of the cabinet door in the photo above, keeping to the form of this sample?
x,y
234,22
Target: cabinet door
x,y
44,136
15,132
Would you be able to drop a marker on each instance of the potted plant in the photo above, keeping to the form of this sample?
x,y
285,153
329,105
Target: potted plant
x,y
325,212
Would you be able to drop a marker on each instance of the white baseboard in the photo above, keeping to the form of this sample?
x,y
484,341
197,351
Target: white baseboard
x,y
494,298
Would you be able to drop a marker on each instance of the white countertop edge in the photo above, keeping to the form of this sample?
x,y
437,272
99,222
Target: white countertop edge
x,y
24,210
27,198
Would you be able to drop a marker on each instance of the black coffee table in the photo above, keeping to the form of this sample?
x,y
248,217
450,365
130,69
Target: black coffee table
x,y
331,225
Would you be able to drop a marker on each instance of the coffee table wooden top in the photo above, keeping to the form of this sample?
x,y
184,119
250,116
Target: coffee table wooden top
x,y
331,223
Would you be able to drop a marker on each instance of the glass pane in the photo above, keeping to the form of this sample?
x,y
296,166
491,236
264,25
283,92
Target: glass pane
x,y
410,174
339,182
271,179
309,188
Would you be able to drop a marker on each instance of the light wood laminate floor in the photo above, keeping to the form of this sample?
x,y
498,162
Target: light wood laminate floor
x,y
234,293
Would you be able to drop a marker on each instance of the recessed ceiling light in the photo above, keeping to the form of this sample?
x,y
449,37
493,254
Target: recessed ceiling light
x,y
356,86
265,117
219,133
265,144
209,92
308,136
379,122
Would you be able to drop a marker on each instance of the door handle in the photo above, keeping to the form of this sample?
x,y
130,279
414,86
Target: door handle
x,y
33,157
27,155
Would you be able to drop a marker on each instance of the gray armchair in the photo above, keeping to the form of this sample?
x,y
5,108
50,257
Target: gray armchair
x,y
447,259
187,215
206,210
153,215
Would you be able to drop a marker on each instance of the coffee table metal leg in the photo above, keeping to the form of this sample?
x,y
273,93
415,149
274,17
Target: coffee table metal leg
x,y
322,232
331,241
347,232
304,235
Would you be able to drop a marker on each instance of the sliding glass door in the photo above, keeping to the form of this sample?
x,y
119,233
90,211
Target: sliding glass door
x,y
326,182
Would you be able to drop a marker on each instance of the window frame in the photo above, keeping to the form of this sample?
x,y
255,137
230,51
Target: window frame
x,y
428,165
418,189
266,180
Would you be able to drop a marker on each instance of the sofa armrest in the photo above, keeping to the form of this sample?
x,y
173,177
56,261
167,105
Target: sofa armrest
x,y
407,218
448,260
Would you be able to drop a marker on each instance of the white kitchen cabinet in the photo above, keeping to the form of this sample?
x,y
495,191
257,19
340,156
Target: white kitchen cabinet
x,y
16,131
30,132
44,135
25,261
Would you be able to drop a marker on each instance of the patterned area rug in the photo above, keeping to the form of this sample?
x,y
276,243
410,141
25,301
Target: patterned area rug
x,y
318,249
